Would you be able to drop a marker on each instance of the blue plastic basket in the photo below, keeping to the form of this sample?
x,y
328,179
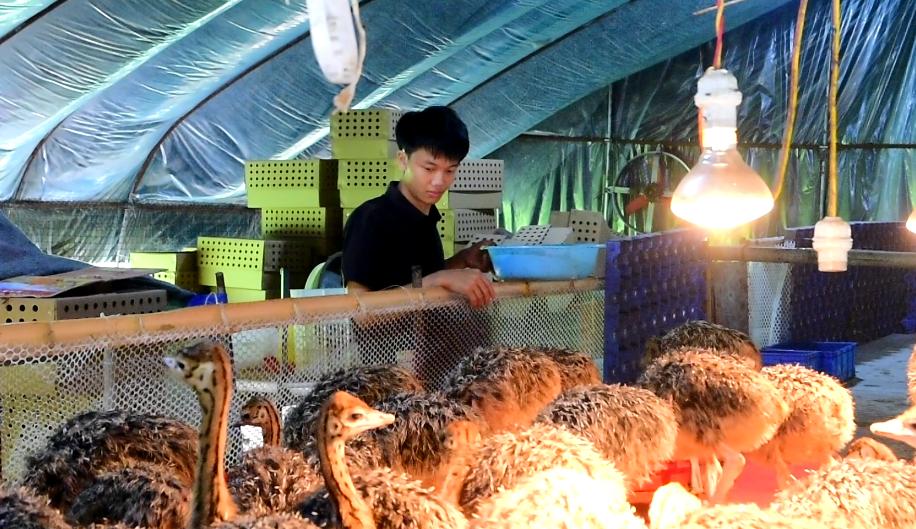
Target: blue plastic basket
x,y
548,262
837,359
809,359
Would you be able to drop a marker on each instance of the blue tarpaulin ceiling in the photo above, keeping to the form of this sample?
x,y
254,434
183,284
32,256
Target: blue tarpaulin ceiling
x,y
147,102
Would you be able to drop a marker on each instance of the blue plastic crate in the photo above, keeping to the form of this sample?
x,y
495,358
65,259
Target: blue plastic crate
x,y
837,359
772,357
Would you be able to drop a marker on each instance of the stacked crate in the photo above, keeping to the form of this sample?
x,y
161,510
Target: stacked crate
x,y
251,267
363,142
179,268
653,283
861,304
300,227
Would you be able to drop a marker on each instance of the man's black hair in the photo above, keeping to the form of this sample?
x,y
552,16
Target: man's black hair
x,y
437,129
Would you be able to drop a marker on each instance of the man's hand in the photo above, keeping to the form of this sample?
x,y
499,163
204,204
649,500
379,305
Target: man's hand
x,y
473,256
468,282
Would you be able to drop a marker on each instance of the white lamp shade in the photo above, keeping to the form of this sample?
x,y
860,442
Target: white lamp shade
x,y
721,192
832,242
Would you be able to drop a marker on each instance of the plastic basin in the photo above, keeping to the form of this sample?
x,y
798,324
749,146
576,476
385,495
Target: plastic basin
x,y
547,262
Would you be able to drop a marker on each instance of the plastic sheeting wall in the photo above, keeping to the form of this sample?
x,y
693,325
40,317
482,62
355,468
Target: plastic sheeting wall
x,y
877,97
194,88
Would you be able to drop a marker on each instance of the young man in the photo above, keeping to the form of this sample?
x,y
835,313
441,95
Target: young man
x,y
388,236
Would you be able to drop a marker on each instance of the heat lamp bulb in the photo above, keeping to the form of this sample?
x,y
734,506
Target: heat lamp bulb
x,y
721,191
911,222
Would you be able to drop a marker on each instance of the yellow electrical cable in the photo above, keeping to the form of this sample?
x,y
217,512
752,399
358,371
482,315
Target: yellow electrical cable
x,y
793,99
832,181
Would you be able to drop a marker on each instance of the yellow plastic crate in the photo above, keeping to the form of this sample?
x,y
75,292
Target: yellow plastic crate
x,y
365,124
247,263
300,222
456,225
16,310
184,261
291,183
477,185
358,149
185,279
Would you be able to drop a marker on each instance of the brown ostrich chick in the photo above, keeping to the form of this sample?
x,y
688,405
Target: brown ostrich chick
x,y
723,408
705,335
821,420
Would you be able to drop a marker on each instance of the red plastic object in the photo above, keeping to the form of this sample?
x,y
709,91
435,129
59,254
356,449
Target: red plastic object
x,y
673,472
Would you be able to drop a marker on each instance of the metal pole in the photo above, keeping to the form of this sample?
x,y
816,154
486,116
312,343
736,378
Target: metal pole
x,y
808,256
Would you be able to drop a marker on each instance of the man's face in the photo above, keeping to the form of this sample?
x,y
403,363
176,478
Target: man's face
x,y
427,177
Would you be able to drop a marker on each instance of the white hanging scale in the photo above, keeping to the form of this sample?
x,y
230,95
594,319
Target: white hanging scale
x,y
334,39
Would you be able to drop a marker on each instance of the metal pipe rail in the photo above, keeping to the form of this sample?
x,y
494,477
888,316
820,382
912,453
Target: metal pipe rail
x,y
763,254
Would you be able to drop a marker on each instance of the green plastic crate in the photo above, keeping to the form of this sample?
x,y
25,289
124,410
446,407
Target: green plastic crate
x,y
291,183
300,222
248,263
365,124
350,149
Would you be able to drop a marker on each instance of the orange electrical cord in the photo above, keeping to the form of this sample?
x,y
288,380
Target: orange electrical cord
x,y
720,33
793,99
832,180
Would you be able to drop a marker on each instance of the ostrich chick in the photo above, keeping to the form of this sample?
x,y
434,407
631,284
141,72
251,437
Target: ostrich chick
x,y
376,497
262,413
576,369
705,335
460,439
901,428
413,443
821,420
868,448
856,494
502,460
558,498
723,408
370,383
271,478
509,386
673,507
21,508
632,427
911,377
94,443
145,496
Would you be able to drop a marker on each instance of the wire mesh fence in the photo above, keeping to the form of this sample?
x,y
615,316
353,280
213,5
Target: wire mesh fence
x,y
44,384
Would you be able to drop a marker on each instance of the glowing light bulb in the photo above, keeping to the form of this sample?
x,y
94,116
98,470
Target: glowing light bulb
x,y
721,191
911,222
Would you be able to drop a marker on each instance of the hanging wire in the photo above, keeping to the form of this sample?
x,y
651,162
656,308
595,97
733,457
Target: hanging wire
x,y
793,99
832,180
720,33
717,57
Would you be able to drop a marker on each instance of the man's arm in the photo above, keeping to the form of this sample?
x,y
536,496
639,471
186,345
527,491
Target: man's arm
x,y
473,257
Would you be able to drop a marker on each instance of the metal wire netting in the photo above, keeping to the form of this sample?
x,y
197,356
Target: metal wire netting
x,y
41,387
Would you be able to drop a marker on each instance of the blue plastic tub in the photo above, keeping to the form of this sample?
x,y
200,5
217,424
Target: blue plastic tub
x,y
809,359
549,262
837,359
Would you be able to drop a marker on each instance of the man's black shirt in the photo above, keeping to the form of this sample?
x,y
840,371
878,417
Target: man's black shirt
x,y
385,237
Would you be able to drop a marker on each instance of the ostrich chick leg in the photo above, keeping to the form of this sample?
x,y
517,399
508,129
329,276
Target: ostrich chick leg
x,y
713,475
732,466
696,476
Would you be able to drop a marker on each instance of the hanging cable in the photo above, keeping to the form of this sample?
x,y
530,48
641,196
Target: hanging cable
x,y
720,33
793,99
832,180
717,56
